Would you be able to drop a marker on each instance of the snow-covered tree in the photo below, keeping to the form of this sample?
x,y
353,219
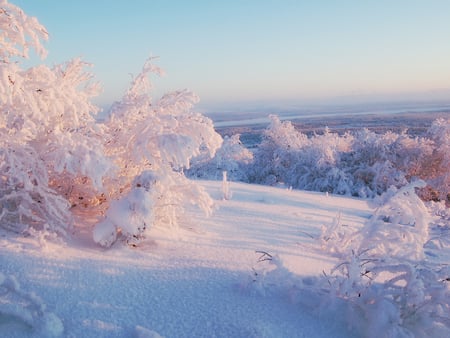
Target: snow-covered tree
x,y
370,164
56,160
277,152
19,33
48,136
290,157
231,157
434,166
362,163
151,144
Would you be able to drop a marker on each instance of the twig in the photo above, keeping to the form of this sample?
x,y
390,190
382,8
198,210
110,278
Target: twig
x,y
265,256
307,234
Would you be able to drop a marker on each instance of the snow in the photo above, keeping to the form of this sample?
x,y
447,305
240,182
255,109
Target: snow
x,y
269,262
198,284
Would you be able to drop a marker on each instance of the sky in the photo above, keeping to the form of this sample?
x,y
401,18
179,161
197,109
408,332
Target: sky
x,y
234,53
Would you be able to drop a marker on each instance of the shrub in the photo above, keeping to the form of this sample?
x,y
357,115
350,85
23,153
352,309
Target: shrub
x,y
58,161
231,157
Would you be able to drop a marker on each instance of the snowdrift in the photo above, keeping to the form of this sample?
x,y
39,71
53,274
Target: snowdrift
x,y
255,268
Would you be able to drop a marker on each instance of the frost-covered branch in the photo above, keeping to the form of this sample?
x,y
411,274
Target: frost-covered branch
x,y
19,32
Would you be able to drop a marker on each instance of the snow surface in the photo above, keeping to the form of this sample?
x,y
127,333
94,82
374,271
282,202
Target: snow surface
x,y
196,283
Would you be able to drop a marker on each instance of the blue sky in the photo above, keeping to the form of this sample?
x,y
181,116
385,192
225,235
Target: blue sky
x,y
260,51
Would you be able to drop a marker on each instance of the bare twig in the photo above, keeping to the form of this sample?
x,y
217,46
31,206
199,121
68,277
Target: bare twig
x,y
265,256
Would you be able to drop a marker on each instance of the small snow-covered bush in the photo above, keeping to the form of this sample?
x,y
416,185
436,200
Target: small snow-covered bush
x,y
385,279
231,157
398,228
269,274
389,281
392,297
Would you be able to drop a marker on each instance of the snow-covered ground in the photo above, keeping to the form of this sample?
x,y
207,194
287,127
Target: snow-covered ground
x,y
200,282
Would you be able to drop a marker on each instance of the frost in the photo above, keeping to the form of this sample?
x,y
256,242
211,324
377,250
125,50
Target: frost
x,y
19,32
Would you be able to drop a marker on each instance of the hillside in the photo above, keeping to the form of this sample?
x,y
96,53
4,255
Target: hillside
x,y
204,280
196,283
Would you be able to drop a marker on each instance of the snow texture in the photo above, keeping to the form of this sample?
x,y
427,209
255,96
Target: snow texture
x,y
200,285
255,268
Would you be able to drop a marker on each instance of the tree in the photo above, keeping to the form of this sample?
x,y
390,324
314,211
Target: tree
x,y
151,144
434,165
58,162
48,136
277,152
363,163
231,157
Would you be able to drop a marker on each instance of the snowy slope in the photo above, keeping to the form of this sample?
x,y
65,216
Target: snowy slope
x,y
196,283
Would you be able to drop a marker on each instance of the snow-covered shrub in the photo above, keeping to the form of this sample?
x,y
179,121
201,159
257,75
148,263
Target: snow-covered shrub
x,y
151,144
336,238
152,200
391,297
319,164
27,309
388,281
290,157
132,214
270,274
434,167
19,33
162,135
384,280
376,297
379,161
231,157
57,160
47,131
363,163
276,153
400,226
439,231
25,197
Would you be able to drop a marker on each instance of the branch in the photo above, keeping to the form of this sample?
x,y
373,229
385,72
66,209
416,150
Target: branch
x,y
265,256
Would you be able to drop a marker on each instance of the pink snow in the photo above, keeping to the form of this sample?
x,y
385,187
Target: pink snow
x,y
195,283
